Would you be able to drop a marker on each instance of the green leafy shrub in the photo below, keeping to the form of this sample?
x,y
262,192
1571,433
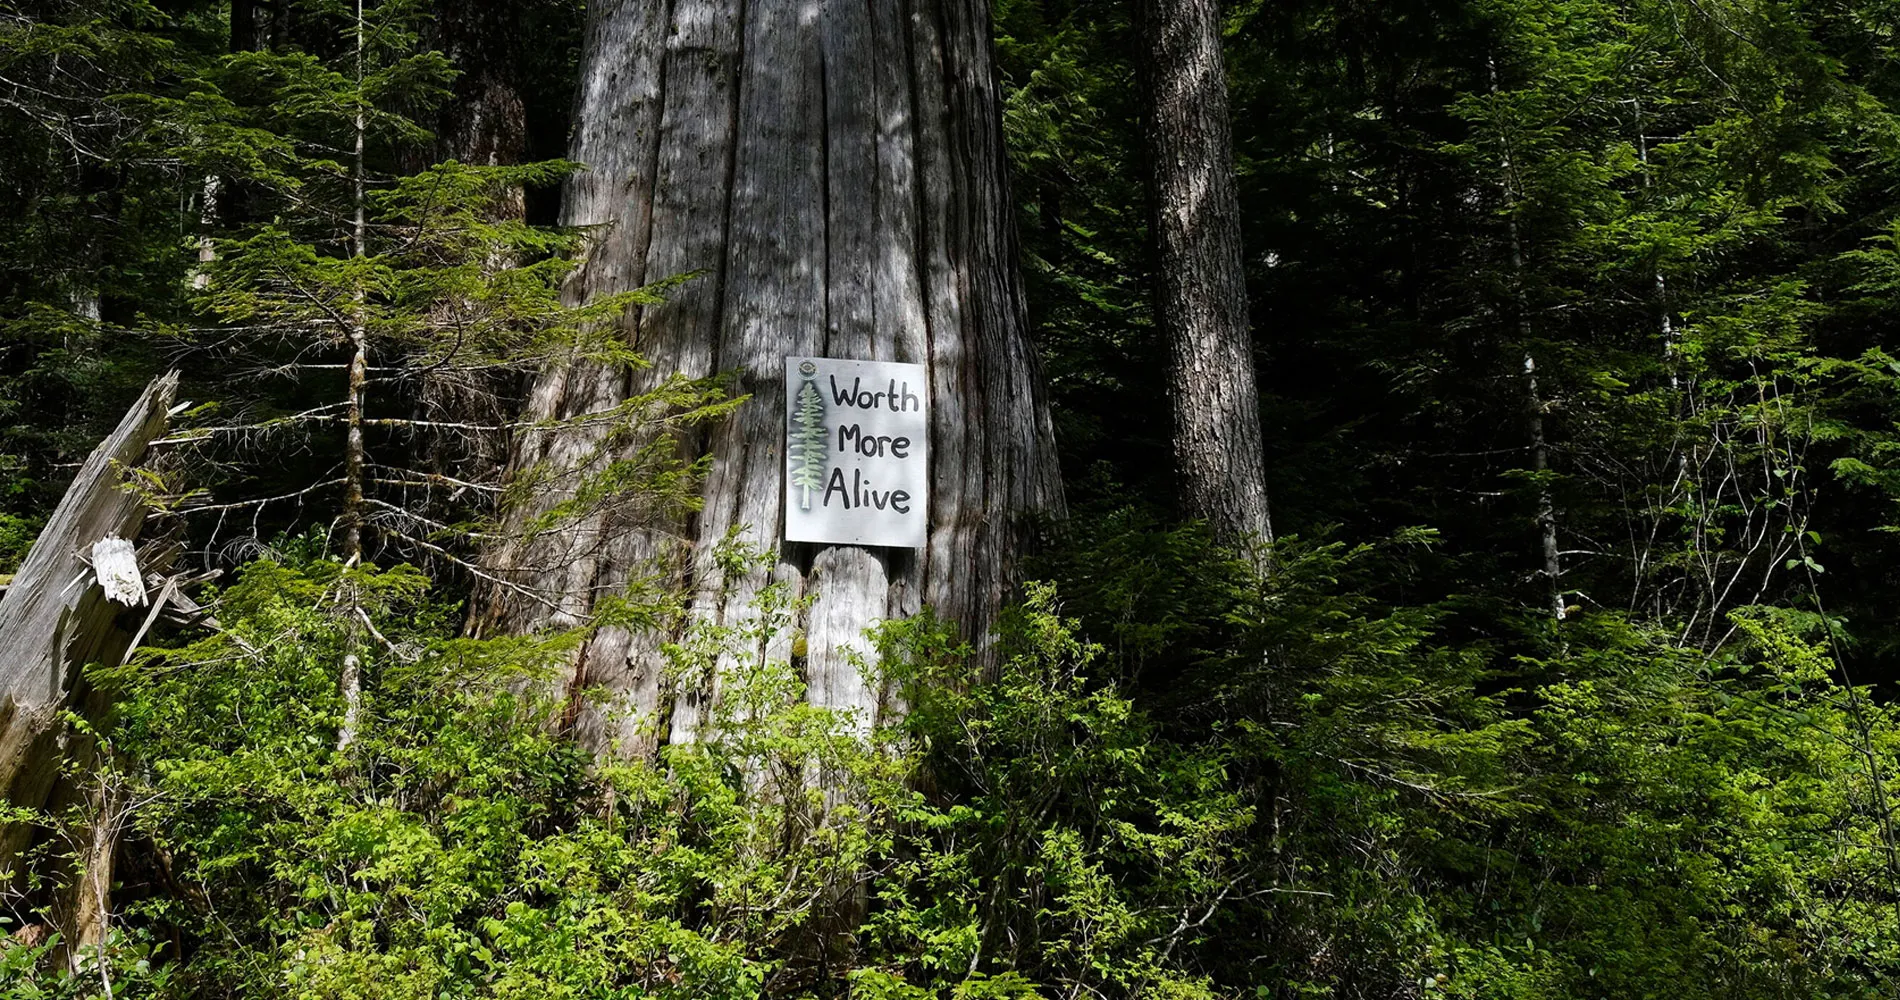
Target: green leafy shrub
x,y
1341,798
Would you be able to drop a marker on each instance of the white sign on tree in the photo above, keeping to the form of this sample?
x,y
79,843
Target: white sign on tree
x,y
856,452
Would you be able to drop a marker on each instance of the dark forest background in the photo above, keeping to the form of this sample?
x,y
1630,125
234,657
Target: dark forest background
x,y
1622,270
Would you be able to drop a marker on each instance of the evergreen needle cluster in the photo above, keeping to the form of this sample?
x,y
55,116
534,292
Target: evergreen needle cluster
x,y
1570,672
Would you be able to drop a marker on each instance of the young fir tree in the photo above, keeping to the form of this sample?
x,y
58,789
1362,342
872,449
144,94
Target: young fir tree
x,y
363,285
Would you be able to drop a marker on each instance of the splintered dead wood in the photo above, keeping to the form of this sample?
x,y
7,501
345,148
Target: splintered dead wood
x,y
52,595
55,617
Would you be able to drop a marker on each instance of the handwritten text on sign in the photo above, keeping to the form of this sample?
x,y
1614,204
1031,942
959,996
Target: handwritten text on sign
x,y
856,462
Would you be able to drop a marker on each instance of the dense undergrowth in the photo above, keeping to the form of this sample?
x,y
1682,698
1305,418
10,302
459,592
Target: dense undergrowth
x,y
1387,771
1181,782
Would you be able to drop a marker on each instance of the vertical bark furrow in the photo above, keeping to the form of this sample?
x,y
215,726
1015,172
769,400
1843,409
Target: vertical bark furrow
x,y
1013,448
617,125
642,272
777,304
897,264
838,169
1201,277
850,106
953,429
693,155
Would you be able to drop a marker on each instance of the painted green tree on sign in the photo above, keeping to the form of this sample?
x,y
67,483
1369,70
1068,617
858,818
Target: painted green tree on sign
x,y
808,445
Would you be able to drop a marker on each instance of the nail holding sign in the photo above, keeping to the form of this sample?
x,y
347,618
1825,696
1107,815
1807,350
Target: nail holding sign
x,y
856,452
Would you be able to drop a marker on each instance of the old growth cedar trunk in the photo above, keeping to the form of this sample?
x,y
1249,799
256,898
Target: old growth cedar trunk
x,y
835,173
1201,288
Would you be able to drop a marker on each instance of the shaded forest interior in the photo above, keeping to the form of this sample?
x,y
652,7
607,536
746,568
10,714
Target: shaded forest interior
x,y
1569,668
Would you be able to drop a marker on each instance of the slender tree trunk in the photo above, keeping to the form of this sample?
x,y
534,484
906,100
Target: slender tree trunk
x,y
1682,473
1202,285
1546,509
1551,568
836,172
355,460
1534,406
1664,319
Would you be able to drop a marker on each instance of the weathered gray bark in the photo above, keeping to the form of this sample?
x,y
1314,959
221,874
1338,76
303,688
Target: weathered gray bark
x,y
836,172
54,620
1201,286
43,601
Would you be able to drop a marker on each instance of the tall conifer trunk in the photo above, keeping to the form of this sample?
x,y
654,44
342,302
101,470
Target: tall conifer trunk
x,y
1535,406
1201,283
486,121
835,173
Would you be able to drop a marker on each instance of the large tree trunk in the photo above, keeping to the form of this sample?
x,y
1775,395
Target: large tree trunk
x,y
836,171
1201,286
485,122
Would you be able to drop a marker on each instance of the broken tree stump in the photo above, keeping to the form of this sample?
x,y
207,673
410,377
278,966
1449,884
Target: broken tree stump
x,y
55,618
